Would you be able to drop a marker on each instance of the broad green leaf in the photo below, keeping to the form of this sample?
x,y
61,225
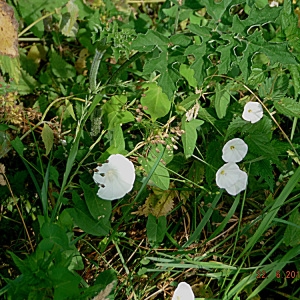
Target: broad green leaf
x,y
288,107
18,145
180,39
189,137
147,42
99,209
222,100
84,220
156,229
235,125
47,137
157,102
53,235
292,233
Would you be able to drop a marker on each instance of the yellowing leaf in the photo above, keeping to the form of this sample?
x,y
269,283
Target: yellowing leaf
x,y
8,31
48,138
158,204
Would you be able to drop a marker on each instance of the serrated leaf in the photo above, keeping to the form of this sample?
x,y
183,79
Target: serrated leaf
x,y
189,137
156,229
147,42
235,126
48,138
264,169
11,66
157,102
288,107
222,100
292,233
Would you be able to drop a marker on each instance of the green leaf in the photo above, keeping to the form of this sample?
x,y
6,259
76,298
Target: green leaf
x,y
147,42
156,229
99,209
288,107
53,235
160,177
84,220
217,9
54,175
292,233
222,100
118,139
188,74
235,126
18,145
189,137
60,67
116,118
47,137
264,169
157,102
11,66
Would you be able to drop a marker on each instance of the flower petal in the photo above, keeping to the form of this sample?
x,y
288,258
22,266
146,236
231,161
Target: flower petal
x,y
116,177
239,185
183,292
231,178
234,150
253,112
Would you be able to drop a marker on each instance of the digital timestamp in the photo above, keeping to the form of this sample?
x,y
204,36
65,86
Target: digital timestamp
x,y
279,274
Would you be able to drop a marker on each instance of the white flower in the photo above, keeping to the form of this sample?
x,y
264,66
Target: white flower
x,y
234,150
253,112
231,178
274,4
115,177
183,292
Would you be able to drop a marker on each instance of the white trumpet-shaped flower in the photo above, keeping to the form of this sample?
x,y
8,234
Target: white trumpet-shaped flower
x,y
234,150
115,177
253,112
231,178
183,292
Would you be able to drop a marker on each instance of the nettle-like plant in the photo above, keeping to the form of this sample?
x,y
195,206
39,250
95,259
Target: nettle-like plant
x,y
152,124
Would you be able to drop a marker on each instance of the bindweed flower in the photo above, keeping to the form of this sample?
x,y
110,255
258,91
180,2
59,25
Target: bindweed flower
x,y
234,150
115,177
253,112
183,292
231,178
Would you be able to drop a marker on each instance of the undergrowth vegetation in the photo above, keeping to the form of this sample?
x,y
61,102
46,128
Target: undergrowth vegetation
x,y
182,115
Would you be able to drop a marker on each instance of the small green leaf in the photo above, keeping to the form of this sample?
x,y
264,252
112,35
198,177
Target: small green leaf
x,y
156,229
188,74
53,235
189,137
48,138
222,100
157,102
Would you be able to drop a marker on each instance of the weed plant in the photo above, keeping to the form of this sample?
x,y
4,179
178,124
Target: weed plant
x,y
164,84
